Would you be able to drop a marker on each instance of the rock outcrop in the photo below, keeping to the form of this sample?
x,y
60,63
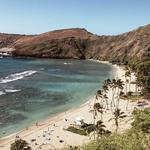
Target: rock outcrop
x,y
8,39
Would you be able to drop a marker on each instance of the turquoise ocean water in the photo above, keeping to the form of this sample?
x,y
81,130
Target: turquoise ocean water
x,y
34,89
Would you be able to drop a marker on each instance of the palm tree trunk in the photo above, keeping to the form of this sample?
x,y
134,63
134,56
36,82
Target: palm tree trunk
x,y
130,83
116,123
101,116
94,121
118,100
107,104
127,103
136,91
126,86
112,101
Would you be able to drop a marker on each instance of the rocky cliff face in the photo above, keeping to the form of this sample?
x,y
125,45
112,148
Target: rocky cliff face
x,y
79,44
8,39
121,47
69,43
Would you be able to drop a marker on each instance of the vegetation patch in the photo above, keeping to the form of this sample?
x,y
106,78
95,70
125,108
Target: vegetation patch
x,y
20,145
137,138
76,130
134,97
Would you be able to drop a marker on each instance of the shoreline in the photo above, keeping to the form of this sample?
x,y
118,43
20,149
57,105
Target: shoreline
x,y
42,121
58,120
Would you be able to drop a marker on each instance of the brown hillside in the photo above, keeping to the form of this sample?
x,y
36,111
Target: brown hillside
x,y
78,44
8,39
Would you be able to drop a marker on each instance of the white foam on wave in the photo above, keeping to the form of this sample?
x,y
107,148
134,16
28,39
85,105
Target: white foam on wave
x,y
66,63
8,91
11,91
2,93
17,76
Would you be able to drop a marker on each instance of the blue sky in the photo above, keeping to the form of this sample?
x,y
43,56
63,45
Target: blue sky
x,y
97,16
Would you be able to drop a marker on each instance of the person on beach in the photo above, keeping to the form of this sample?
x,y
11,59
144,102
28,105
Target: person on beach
x,y
17,137
36,124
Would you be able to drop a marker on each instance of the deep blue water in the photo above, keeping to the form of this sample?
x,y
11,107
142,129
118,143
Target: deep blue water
x,y
34,89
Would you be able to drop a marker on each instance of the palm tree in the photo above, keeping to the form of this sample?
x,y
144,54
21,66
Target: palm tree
x,y
100,128
119,96
117,116
105,97
127,98
128,75
107,82
98,108
116,86
88,128
106,85
113,86
99,94
105,88
119,86
138,87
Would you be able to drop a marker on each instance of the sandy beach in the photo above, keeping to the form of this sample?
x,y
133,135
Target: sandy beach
x,y
50,134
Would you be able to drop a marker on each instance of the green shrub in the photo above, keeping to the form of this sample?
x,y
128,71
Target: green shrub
x,y
20,145
142,120
77,131
129,93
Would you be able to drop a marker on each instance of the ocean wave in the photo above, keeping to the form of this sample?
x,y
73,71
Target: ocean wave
x,y
17,76
67,63
8,91
2,93
11,90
